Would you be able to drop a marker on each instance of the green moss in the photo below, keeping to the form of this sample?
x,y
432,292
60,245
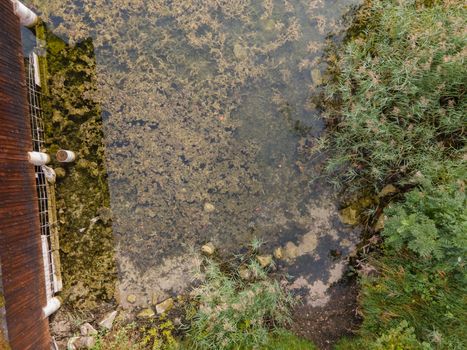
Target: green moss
x,y
285,340
73,121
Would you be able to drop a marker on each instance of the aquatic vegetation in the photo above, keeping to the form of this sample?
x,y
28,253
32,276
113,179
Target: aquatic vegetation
x,y
397,102
203,102
73,121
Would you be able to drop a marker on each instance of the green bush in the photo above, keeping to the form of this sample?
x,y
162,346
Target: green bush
x,y
237,314
422,277
401,337
397,100
396,106
432,225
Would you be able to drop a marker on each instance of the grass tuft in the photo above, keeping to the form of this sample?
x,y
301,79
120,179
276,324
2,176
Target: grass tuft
x,y
237,314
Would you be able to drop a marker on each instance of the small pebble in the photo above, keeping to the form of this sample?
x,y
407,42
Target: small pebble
x,y
146,313
208,248
165,306
209,208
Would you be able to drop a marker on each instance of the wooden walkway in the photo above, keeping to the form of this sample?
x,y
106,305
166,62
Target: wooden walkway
x,y
20,243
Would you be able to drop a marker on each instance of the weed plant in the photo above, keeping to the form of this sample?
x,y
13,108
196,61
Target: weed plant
x,y
123,338
138,337
234,313
400,337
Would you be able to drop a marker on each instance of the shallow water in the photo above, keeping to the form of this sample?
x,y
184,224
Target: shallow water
x,y
209,128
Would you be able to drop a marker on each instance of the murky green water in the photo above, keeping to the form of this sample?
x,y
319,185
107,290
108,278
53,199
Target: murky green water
x,y
209,125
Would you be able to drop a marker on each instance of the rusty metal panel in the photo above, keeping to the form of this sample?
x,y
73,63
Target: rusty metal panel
x,y
20,241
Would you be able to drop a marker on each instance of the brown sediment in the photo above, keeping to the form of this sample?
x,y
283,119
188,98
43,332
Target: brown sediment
x,y
325,325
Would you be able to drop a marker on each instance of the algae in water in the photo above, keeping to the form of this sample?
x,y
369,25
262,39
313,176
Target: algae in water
x,y
203,102
73,121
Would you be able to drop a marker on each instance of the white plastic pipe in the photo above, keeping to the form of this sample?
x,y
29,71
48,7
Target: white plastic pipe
x,y
38,158
27,18
52,306
47,266
37,71
65,156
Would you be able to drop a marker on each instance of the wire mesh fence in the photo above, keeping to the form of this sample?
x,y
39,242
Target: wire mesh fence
x,y
42,186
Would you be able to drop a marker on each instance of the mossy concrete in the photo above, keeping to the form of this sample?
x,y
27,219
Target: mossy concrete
x,y
73,121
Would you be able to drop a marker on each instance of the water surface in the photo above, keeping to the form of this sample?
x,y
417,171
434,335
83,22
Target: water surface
x,y
210,128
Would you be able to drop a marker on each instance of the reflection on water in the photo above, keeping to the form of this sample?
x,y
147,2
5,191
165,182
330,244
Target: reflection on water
x,y
209,123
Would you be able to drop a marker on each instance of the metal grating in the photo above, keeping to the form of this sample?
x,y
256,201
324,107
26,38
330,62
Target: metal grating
x,y
37,127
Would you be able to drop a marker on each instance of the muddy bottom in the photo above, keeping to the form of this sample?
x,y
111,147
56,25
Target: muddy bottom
x,y
325,325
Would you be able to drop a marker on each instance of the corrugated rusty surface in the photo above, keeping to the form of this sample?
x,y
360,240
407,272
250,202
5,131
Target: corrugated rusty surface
x,y
20,250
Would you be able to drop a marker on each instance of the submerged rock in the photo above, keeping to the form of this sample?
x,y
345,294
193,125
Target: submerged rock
x,y
209,208
131,298
165,306
208,248
108,320
278,253
349,216
240,51
317,77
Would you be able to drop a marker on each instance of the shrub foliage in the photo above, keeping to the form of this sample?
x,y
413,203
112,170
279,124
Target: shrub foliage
x,y
398,99
422,273
397,108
